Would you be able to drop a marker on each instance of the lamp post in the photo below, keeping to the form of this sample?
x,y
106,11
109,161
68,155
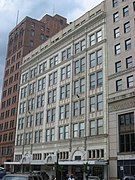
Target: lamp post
x,y
57,166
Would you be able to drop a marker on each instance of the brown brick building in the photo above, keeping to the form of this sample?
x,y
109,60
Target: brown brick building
x,y
25,37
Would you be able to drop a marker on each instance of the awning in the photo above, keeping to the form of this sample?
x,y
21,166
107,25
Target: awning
x,y
70,162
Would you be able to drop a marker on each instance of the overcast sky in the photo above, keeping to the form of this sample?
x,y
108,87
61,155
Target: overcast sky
x,y
71,9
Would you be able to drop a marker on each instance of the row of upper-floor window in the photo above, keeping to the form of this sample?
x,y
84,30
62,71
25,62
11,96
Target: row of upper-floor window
x,y
6,151
129,63
116,3
10,90
125,11
8,102
126,29
95,80
13,60
11,79
79,66
7,137
8,113
96,127
7,125
129,81
127,44
64,155
78,108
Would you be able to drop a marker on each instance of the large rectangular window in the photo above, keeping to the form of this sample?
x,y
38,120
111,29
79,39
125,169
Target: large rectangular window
x,y
95,58
126,132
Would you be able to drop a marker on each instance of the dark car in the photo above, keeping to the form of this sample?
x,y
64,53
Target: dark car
x,y
22,177
2,172
93,178
129,178
43,174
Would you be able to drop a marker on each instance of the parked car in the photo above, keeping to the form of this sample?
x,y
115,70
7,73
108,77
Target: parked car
x,y
129,178
22,177
93,178
2,172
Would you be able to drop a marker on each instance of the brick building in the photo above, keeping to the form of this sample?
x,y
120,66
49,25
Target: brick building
x,y
25,37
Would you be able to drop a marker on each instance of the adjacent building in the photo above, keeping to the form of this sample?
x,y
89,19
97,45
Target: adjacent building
x,y
121,86
62,110
25,37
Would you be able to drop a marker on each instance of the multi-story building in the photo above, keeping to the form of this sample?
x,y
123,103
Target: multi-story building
x,y
121,78
63,100
25,37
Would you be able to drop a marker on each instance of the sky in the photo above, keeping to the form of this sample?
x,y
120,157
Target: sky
x,y
71,9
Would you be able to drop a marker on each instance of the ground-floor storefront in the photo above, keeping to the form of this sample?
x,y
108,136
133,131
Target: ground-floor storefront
x,y
79,169
125,167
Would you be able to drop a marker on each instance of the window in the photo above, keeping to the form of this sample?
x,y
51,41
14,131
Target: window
x,y
38,136
31,43
77,47
79,86
96,80
31,104
64,112
40,101
32,88
33,72
96,37
127,27
100,102
41,84
54,61
116,17
115,3
64,132
92,81
129,62
83,44
79,107
119,85
117,49
92,127
116,32
96,58
32,32
65,91
92,104
39,118
134,5
99,78
99,36
22,108
24,77
29,121
51,115
65,72
118,66
28,138
52,96
130,81
100,126
128,44
78,130
80,65
21,123
125,11
50,135
126,132
19,139
53,78
43,67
